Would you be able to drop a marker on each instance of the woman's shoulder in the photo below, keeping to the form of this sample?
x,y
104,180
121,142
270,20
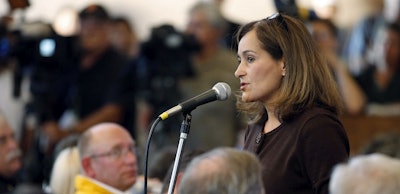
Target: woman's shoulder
x,y
316,111
315,117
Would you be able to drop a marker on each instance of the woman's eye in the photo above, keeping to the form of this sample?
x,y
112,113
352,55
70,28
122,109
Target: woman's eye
x,y
250,59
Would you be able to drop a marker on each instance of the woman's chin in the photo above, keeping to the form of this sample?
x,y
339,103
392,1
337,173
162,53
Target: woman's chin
x,y
246,98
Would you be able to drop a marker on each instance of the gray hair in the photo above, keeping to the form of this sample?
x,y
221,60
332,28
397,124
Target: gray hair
x,y
223,171
84,144
212,13
367,174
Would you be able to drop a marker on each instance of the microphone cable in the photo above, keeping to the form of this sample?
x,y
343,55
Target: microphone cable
x,y
153,126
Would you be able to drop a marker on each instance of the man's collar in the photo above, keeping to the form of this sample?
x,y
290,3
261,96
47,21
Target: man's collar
x,y
108,187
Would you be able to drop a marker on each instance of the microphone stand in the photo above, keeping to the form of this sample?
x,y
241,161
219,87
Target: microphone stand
x,y
185,128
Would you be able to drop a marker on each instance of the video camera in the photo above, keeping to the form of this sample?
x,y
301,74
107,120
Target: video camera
x,y
168,56
169,51
40,53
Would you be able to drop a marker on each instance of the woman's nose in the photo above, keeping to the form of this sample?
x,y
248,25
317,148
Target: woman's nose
x,y
238,71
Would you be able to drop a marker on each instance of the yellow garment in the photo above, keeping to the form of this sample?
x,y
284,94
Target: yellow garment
x,y
85,186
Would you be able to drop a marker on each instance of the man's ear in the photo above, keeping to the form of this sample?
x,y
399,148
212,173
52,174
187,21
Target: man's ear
x,y
87,166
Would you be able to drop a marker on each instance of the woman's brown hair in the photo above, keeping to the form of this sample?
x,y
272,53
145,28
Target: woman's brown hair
x,y
308,80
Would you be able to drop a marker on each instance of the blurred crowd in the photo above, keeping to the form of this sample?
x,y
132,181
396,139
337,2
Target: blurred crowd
x,y
54,88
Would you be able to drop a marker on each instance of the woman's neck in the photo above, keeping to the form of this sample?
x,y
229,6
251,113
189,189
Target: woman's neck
x,y
273,121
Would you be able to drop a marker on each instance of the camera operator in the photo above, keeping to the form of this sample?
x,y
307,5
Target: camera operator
x,y
79,93
97,67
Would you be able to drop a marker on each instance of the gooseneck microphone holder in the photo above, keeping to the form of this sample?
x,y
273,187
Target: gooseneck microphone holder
x,y
146,158
185,128
220,91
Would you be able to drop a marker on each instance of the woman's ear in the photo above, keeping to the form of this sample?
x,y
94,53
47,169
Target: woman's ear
x,y
283,66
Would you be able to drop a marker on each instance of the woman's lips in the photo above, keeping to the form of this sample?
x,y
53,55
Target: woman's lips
x,y
243,86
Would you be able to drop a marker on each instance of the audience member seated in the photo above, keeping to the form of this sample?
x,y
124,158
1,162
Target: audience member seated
x,y
325,34
13,176
223,171
186,159
97,68
381,81
386,143
108,159
89,85
362,36
366,174
10,157
158,166
160,162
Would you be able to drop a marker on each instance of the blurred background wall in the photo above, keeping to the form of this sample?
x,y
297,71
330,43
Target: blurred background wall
x,y
149,13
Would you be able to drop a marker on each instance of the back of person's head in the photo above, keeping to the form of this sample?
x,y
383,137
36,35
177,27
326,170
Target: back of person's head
x,y
367,174
159,165
308,80
223,171
65,168
67,142
183,164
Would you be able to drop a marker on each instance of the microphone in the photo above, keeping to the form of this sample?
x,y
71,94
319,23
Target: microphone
x,y
220,91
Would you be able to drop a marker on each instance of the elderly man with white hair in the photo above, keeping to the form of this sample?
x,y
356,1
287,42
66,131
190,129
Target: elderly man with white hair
x,y
367,174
